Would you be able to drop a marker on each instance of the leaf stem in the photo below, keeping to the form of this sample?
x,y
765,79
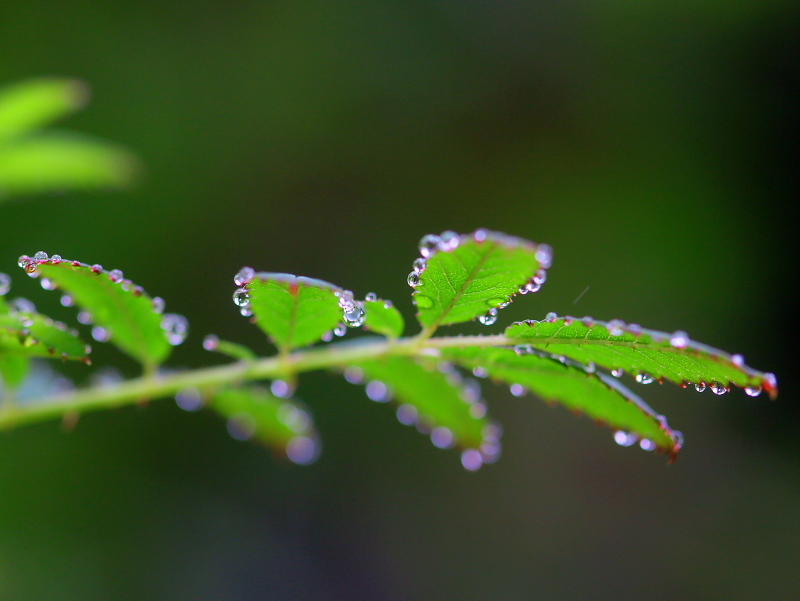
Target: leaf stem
x,y
153,386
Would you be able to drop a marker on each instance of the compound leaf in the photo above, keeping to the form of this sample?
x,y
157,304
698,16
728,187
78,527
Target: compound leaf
x,y
283,425
293,311
129,317
462,277
31,104
382,317
434,400
648,354
598,396
56,161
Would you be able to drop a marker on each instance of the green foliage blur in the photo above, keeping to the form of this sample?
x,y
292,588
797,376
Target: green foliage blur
x,y
653,145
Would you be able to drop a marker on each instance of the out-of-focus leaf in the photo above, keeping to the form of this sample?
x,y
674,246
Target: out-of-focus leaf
x,y
383,318
464,277
13,368
293,311
598,396
128,316
436,400
31,104
35,335
648,354
55,162
283,425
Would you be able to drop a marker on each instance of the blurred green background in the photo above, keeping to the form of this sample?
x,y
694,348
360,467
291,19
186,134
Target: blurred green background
x,y
653,144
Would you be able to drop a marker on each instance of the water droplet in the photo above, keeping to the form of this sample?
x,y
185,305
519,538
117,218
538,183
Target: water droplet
x,y
356,317
116,275
85,318
96,268
40,256
241,426
346,300
340,330
737,360
189,399
354,374
387,304
378,391
101,334
647,445
66,300
158,305
679,339
449,241
294,418
635,329
241,298
523,349
480,235
32,269
419,264
407,415
176,328
442,437
617,373
551,317
540,277
752,390
422,301
480,372
477,410
645,378
590,368
490,451
413,279
47,284
718,388
23,261
327,336
700,387
371,297
281,389
544,255
429,245
624,439
244,277
471,391
497,303
56,259
588,322
518,390
22,305
5,284
211,342
246,311
615,327
489,318
472,460
302,450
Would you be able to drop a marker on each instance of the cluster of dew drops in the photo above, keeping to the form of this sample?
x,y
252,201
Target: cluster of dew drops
x,y
175,326
441,436
448,241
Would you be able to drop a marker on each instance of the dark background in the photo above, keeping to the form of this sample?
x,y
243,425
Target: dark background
x,y
651,143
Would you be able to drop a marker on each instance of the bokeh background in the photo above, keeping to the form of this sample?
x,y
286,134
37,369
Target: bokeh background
x,y
653,144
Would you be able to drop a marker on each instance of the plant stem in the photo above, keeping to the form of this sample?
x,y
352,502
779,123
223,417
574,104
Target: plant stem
x,y
153,386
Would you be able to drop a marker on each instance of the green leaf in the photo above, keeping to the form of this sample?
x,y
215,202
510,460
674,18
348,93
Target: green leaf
x,y
383,318
130,318
34,335
646,353
54,162
234,350
31,104
285,426
440,403
293,311
598,396
464,277
13,369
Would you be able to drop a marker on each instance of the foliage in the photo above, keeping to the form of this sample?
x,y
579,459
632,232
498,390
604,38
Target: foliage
x,y
434,380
